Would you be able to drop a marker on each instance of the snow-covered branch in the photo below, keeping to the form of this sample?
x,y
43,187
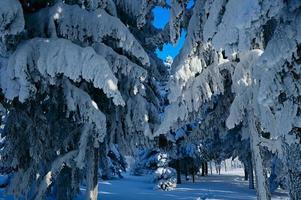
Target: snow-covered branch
x,y
54,171
52,58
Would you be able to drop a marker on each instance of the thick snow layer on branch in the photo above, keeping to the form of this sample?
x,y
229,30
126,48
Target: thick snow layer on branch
x,y
231,33
79,101
138,10
176,18
120,63
242,81
91,5
220,31
279,86
137,117
54,171
76,24
11,17
51,58
190,48
196,93
198,74
11,20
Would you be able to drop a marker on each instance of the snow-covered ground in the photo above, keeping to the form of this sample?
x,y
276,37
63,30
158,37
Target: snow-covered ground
x,y
227,186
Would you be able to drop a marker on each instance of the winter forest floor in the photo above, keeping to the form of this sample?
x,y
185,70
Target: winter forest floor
x,y
227,186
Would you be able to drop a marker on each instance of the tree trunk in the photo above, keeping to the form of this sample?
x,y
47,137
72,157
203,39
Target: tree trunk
x,y
92,173
104,162
225,165
192,172
179,181
63,185
206,168
216,167
262,188
246,172
186,172
251,176
293,160
210,163
203,169
178,166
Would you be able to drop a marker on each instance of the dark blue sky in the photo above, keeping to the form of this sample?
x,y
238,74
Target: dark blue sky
x,y
161,19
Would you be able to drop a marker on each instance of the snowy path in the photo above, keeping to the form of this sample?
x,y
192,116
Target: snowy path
x,y
218,187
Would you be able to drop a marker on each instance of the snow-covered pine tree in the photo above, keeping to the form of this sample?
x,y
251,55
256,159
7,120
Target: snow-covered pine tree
x,y
72,73
261,41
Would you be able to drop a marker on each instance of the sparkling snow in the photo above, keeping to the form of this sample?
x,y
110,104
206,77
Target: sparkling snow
x,y
227,186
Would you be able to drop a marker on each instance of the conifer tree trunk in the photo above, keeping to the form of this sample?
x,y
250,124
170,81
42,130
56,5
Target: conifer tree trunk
x,y
63,185
216,167
186,172
251,176
178,171
246,172
192,172
262,189
178,167
206,168
293,159
92,173
203,169
103,161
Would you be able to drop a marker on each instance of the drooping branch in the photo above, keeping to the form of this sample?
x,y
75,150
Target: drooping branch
x,y
51,175
76,24
51,58
11,22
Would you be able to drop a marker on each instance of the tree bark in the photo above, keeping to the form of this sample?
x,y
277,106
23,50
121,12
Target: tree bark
x,y
293,160
203,169
251,176
186,172
216,168
192,172
262,188
103,161
63,185
246,172
179,181
210,163
178,166
206,168
92,174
